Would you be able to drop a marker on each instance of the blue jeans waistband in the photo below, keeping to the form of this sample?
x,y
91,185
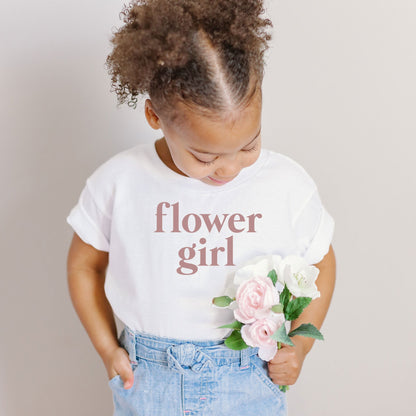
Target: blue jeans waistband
x,y
182,354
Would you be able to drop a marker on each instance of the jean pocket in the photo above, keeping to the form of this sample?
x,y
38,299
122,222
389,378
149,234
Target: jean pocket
x,y
260,370
117,380
112,380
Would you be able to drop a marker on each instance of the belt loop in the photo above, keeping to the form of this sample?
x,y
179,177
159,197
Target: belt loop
x,y
133,343
127,340
244,358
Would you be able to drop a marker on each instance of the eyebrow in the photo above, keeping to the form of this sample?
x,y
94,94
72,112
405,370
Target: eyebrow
x,y
210,153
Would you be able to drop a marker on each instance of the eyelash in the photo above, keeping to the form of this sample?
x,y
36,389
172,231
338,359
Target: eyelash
x,y
212,161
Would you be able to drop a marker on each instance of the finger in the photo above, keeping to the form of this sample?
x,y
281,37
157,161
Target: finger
x,y
128,381
278,361
284,381
128,378
112,375
277,373
281,377
283,355
284,370
277,369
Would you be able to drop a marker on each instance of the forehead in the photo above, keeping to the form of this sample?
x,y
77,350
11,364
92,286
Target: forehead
x,y
225,134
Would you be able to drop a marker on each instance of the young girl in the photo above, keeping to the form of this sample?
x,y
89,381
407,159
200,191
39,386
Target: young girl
x,y
160,228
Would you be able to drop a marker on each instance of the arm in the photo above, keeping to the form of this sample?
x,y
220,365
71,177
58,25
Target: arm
x,y
86,267
284,368
316,311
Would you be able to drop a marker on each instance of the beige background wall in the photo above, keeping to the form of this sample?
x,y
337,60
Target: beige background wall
x,y
339,97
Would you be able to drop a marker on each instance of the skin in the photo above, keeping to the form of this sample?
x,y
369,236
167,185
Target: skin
x,y
229,140
284,368
227,144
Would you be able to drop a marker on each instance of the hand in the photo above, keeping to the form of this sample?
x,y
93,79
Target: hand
x,y
118,362
284,367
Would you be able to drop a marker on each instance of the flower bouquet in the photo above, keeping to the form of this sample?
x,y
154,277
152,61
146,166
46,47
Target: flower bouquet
x,y
265,295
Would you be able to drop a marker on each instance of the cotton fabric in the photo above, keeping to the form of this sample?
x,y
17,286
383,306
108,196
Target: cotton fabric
x,y
193,378
174,242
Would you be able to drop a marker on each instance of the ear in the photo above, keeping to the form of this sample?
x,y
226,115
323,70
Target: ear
x,y
151,116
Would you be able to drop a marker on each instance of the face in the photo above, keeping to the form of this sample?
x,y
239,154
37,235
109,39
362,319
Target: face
x,y
213,152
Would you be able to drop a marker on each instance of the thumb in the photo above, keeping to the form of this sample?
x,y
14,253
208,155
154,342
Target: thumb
x,y
127,377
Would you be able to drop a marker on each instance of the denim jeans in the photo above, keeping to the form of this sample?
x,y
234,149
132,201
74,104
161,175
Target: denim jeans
x,y
174,377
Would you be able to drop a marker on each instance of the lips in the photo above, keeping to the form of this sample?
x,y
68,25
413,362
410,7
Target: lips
x,y
218,181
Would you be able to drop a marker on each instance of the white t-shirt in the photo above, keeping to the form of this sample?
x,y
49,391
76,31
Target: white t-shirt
x,y
174,242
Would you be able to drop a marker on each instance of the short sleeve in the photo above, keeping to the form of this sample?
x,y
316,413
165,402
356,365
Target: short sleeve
x,y
89,222
314,229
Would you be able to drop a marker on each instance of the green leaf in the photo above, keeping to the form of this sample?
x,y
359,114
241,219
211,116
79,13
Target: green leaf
x,y
234,325
222,301
277,308
285,297
307,330
281,336
295,307
235,341
272,274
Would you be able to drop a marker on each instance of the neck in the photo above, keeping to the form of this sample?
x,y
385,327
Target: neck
x,y
163,151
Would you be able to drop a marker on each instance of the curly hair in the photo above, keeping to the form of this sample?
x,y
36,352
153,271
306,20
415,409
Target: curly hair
x,y
205,54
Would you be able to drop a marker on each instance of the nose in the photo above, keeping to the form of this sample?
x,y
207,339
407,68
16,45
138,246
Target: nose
x,y
229,168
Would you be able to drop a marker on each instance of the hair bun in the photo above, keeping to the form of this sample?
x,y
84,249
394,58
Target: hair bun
x,y
163,34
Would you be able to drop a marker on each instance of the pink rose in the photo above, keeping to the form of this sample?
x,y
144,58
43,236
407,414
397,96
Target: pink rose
x,y
254,299
258,334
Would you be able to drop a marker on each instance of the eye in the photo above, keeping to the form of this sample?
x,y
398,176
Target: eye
x,y
206,163
252,149
212,161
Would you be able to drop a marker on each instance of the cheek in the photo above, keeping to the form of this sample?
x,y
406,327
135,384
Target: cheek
x,y
180,159
189,165
251,158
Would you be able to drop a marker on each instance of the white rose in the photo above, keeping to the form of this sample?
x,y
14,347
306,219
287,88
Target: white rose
x,y
257,266
299,276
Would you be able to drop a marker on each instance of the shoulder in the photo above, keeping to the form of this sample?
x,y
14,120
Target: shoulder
x,y
290,181
112,175
118,165
290,171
